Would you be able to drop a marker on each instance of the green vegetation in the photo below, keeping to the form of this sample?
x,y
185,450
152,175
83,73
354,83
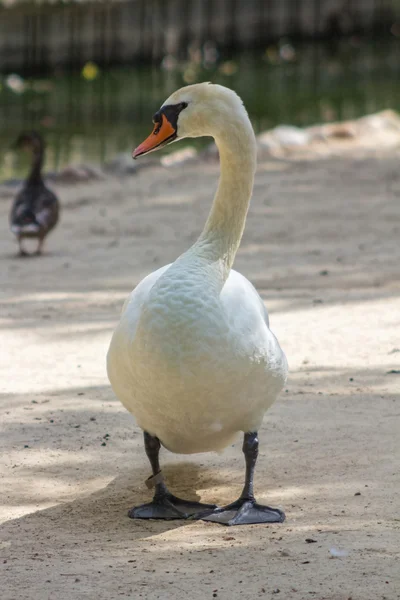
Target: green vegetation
x,y
89,117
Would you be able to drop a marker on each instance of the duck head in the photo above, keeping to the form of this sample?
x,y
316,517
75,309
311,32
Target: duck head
x,y
198,110
30,141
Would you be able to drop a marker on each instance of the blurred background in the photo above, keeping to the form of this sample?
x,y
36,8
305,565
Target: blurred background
x,y
90,74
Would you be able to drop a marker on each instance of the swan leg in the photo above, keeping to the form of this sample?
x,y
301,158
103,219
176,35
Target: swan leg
x,y
164,504
245,510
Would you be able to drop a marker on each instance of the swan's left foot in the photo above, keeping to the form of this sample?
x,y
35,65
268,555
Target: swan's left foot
x,y
244,511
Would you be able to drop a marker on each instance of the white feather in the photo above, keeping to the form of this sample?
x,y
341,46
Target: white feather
x,y
193,358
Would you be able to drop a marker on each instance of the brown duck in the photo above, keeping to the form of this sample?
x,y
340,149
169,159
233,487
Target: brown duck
x,y
35,209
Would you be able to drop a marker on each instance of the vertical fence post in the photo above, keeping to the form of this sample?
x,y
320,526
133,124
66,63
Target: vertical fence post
x,y
186,10
294,19
316,19
26,43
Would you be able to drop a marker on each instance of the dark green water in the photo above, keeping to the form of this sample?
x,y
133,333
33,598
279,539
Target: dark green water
x,y
91,121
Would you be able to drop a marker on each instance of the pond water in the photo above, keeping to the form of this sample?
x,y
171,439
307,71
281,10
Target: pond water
x,y
90,116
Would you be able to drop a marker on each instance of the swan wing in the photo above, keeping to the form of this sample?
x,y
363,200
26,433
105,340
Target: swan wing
x,y
249,322
239,295
138,298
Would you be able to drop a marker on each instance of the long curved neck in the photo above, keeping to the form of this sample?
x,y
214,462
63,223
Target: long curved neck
x,y
223,230
35,174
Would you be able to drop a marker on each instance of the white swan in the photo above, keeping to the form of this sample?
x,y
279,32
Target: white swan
x,y
193,358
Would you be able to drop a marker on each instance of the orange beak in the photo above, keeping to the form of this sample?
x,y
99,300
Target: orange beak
x,y
161,135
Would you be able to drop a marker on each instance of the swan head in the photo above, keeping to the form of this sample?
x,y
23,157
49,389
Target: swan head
x,y
202,109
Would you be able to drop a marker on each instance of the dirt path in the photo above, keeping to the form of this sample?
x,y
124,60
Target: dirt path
x,y
322,247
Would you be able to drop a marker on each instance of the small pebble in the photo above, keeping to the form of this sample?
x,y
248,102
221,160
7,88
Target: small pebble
x,y
103,444
276,591
336,553
310,541
357,494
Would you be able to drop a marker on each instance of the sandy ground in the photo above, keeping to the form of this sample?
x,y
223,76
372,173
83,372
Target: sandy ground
x,y
322,247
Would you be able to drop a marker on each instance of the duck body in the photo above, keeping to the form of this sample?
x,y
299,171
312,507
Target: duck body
x,y
196,371
35,210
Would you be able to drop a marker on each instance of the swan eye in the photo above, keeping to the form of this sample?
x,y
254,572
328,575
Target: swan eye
x,y
157,117
157,120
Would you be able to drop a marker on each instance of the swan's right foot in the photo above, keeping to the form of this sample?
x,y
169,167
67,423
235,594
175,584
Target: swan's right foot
x,y
167,506
164,505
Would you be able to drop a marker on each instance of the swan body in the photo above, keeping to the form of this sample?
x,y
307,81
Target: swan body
x,y
195,367
193,357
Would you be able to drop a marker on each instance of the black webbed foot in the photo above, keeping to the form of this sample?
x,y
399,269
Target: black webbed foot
x,y
244,511
167,506
164,504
